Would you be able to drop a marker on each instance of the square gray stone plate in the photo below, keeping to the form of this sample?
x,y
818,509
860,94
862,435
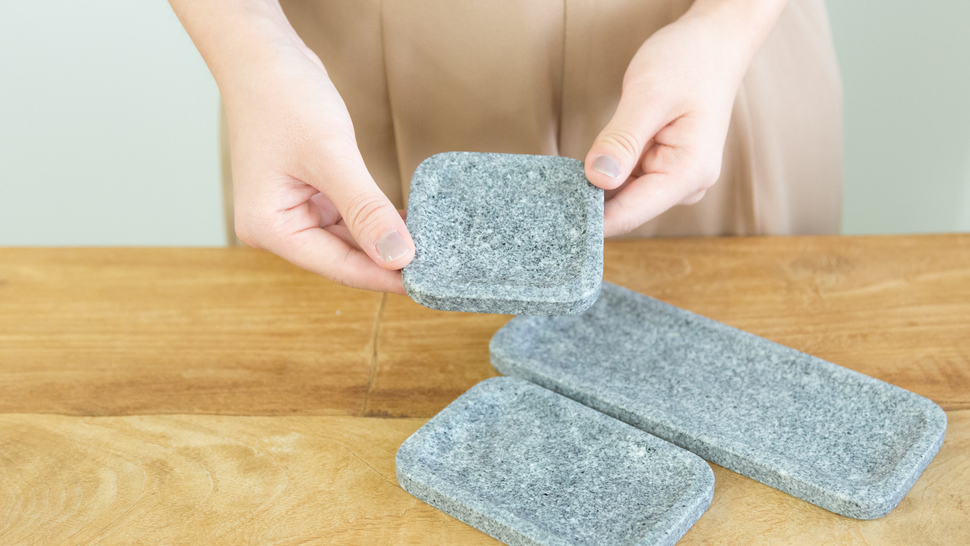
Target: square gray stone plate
x,y
831,436
528,466
504,233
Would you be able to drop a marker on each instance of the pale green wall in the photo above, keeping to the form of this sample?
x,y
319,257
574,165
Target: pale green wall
x,y
108,127
906,77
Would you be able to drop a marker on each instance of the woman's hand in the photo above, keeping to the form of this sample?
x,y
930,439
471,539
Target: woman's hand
x,y
663,146
301,188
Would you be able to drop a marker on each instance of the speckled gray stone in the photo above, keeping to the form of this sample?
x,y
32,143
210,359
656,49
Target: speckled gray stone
x,y
529,467
833,437
504,233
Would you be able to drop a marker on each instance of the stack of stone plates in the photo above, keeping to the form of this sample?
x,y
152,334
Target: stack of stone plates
x,y
598,436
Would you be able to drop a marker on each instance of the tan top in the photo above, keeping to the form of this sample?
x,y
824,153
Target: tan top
x,y
421,77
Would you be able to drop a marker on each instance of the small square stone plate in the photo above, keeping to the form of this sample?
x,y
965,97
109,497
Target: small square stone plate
x,y
831,436
504,233
528,466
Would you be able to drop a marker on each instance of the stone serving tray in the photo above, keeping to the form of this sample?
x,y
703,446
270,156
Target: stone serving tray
x,y
530,467
504,233
831,436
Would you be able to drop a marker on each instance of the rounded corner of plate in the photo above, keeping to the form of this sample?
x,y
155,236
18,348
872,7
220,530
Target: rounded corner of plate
x,y
876,509
583,293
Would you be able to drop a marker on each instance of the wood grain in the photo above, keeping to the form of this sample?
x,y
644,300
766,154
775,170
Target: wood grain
x,y
427,358
128,331
211,480
204,479
895,308
238,331
216,396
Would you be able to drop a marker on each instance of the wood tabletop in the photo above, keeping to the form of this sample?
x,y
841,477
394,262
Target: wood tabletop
x,y
223,396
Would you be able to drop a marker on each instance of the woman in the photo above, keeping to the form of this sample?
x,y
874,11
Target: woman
x,y
661,99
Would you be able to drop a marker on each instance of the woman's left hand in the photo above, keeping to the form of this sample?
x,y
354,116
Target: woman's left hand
x,y
663,146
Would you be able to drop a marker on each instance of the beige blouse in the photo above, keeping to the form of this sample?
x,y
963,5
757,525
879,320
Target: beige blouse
x,y
543,77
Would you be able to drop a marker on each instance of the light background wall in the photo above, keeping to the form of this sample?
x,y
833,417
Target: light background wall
x,y
108,127
108,122
906,78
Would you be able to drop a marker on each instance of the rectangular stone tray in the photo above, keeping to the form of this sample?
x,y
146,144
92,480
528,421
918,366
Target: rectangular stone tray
x,y
831,436
530,467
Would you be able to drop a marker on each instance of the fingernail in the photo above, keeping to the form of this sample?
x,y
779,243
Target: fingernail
x,y
392,246
606,165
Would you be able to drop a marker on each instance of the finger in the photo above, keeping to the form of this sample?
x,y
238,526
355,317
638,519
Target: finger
x,y
330,220
328,211
369,215
324,253
617,150
641,200
609,194
685,148
694,198
343,233
687,173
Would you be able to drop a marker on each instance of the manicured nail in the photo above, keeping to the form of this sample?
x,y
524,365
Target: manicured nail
x,y
606,165
392,246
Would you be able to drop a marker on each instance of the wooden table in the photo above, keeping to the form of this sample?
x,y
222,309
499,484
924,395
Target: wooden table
x,y
222,396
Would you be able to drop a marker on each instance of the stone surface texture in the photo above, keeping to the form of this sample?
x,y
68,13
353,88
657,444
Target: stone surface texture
x,y
528,467
504,233
828,435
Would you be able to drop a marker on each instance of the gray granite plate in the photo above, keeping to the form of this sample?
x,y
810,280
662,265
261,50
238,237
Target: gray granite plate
x,y
833,437
504,233
528,466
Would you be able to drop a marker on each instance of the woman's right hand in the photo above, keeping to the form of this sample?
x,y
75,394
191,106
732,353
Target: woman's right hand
x,y
301,188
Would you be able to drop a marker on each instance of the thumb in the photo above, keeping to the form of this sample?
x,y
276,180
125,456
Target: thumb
x,y
618,148
371,218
